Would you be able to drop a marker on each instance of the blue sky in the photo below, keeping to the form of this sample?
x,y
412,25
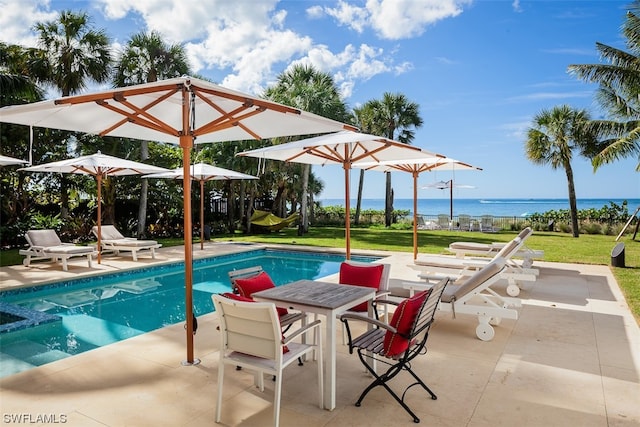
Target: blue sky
x,y
479,70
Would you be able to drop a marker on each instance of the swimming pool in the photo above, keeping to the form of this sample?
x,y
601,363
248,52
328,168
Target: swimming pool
x,y
76,316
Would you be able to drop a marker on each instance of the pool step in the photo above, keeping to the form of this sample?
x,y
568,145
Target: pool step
x,y
212,287
22,355
97,332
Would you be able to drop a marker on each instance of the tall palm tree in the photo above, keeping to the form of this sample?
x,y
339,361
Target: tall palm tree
x,y
619,93
71,54
311,90
551,140
363,119
394,117
148,58
17,85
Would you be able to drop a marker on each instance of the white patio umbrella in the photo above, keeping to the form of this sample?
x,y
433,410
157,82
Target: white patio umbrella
x,y
182,111
202,173
415,167
99,166
344,148
7,161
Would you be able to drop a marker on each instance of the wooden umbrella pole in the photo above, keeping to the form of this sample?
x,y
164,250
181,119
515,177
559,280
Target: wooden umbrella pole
x,y
99,184
347,219
186,143
201,214
415,215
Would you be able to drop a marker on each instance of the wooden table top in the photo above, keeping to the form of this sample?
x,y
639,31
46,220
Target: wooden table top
x,y
316,293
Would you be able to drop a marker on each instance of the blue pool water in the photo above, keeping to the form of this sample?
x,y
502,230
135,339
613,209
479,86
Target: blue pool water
x,y
88,313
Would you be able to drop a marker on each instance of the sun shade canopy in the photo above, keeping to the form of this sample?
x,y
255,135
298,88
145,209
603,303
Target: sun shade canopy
x,y
152,112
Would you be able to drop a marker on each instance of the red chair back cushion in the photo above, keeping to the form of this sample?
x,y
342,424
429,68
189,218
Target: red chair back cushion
x,y
368,276
260,282
403,318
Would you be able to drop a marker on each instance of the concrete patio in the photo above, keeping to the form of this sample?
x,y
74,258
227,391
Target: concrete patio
x,y
572,358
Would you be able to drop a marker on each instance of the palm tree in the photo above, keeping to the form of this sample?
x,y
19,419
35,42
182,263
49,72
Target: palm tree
x,y
362,118
71,54
393,117
148,58
553,137
619,93
311,90
16,83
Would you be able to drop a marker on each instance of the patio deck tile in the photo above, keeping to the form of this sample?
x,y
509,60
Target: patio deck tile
x,y
572,358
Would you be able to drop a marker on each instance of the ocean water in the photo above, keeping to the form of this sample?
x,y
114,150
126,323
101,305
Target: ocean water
x,y
478,207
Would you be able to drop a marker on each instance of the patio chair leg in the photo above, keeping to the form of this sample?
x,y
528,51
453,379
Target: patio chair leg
x,y
381,380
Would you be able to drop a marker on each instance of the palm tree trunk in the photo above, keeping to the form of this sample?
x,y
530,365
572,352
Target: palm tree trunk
x,y
356,220
388,205
144,194
303,226
573,205
231,216
64,197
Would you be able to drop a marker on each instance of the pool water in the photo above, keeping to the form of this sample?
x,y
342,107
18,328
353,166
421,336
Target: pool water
x,y
97,311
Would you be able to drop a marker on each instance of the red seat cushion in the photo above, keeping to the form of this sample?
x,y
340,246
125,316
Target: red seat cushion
x,y
403,319
368,276
260,282
238,297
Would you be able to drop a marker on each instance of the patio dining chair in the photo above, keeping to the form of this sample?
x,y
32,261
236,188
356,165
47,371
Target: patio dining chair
x,y
250,337
372,275
246,281
395,344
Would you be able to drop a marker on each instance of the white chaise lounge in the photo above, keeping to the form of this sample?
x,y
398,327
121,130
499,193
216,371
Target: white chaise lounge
x,y
113,241
464,249
433,267
45,244
473,295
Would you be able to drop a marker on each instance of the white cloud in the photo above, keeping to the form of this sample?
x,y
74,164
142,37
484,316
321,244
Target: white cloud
x,y
18,17
445,60
347,14
315,12
394,19
245,44
516,6
552,95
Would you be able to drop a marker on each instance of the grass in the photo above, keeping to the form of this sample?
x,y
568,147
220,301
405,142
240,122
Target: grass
x,y
558,247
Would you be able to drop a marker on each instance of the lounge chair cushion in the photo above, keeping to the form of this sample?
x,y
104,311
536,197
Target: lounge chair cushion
x,y
237,297
68,249
368,276
131,242
403,318
260,282
44,238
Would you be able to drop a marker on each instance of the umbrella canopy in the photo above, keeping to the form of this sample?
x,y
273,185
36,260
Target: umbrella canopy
x,y
202,173
182,111
345,148
6,161
99,166
415,167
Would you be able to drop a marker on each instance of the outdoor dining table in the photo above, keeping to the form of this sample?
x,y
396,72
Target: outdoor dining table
x,y
327,299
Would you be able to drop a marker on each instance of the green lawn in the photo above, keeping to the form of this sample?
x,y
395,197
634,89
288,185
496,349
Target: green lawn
x,y
558,247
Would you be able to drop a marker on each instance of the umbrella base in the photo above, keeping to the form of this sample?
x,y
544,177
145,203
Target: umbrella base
x,y
194,363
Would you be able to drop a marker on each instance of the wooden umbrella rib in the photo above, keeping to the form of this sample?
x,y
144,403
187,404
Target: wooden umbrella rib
x,y
332,154
129,117
227,118
116,93
230,120
242,99
151,118
369,153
